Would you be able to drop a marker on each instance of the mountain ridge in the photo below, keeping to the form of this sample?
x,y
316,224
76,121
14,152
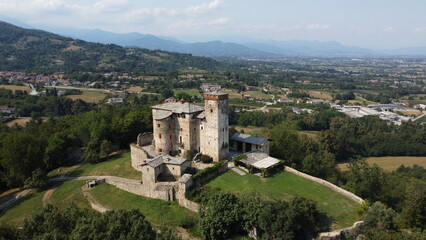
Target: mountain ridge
x,y
36,50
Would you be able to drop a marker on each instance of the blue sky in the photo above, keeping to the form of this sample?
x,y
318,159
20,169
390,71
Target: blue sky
x,y
365,23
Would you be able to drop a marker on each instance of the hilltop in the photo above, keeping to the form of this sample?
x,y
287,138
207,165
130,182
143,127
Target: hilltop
x,y
35,50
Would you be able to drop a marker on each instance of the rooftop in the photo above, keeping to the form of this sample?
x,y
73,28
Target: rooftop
x,y
260,160
179,107
166,159
241,137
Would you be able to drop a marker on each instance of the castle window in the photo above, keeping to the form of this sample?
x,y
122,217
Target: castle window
x,y
147,169
158,125
211,110
183,115
160,150
159,135
180,138
201,127
181,129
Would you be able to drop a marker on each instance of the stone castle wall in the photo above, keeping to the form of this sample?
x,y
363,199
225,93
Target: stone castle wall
x,y
327,184
138,156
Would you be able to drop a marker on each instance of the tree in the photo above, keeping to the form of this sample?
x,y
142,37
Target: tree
x,y
116,224
75,223
366,181
220,216
105,149
21,153
414,209
380,217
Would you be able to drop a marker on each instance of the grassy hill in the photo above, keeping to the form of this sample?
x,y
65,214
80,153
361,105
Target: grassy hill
x,y
34,50
285,186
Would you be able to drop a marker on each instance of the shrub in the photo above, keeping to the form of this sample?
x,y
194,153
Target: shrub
x,y
237,160
206,159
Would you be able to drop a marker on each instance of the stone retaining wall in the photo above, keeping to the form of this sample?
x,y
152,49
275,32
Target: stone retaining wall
x,y
327,184
342,234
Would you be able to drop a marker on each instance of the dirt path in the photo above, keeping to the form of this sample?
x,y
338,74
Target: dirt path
x,y
19,195
47,196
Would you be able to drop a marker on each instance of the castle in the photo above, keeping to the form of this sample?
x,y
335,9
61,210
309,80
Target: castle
x,y
182,129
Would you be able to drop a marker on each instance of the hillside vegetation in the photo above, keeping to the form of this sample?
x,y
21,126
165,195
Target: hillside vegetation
x,y
34,50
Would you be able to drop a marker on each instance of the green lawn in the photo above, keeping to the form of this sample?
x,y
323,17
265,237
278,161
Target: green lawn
x,y
118,165
156,211
91,96
23,208
192,92
285,186
68,193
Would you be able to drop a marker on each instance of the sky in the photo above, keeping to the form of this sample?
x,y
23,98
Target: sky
x,y
378,24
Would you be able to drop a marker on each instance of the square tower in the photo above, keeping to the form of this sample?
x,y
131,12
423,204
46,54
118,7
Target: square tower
x,y
214,138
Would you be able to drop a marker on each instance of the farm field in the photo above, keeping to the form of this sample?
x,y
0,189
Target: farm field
x,y
390,163
13,88
320,95
285,186
118,165
192,92
20,122
89,96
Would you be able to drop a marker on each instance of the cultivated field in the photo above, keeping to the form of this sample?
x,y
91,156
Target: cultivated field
x,y
191,92
320,95
285,186
391,163
20,122
89,96
13,88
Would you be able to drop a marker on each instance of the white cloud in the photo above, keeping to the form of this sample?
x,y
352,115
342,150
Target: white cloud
x,y
110,6
389,30
317,26
220,21
205,7
420,30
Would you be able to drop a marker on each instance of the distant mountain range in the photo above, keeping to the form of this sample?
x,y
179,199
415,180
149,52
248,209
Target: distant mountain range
x,y
23,49
250,49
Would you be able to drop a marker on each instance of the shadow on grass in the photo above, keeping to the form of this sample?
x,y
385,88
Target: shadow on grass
x,y
325,222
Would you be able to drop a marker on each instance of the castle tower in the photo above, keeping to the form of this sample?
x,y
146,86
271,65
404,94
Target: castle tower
x,y
214,138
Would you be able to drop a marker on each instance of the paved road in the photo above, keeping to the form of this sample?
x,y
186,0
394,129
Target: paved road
x,y
417,118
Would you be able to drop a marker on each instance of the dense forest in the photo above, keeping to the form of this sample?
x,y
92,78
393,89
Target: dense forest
x,y
34,50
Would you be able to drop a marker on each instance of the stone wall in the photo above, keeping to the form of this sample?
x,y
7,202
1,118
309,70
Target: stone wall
x,y
207,178
138,156
145,139
327,184
342,234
